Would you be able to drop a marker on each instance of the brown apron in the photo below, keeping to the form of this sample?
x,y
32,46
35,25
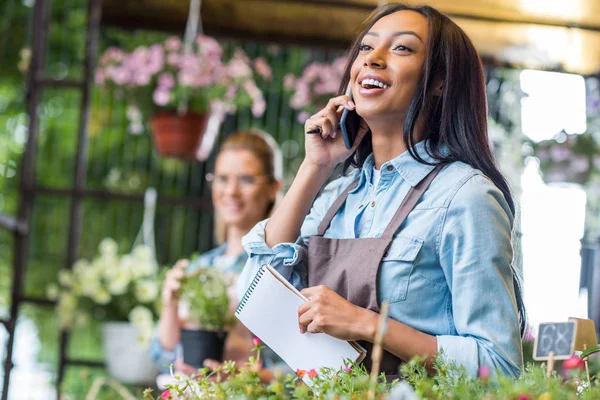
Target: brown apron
x,y
350,266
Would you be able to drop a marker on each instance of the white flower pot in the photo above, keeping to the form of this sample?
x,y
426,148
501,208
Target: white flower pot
x,y
127,360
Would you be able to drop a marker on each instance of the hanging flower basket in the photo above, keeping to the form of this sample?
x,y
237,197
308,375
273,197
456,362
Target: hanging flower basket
x,y
162,77
178,135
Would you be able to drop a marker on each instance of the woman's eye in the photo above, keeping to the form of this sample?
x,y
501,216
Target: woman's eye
x,y
402,48
247,180
364,47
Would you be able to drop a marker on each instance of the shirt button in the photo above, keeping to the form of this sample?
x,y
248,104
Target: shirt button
x,y
372,204
389,168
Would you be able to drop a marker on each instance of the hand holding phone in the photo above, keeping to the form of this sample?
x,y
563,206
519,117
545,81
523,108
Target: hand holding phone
x,y
349,124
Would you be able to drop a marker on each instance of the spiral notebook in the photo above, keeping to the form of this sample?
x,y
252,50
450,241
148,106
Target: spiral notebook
x,y
269,309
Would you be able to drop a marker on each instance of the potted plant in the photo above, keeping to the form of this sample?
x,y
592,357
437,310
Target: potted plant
x,y
122,293
204,295
318,83
176,90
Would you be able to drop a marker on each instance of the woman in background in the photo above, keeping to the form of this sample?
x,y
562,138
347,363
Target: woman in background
x,y
245,186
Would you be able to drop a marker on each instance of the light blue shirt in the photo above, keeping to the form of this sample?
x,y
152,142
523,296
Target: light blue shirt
x,y
448,272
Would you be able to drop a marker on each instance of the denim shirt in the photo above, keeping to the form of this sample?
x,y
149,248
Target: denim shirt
x,y
448,272
163,357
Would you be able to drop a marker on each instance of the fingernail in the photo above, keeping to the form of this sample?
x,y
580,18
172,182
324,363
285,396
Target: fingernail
x,y
351,104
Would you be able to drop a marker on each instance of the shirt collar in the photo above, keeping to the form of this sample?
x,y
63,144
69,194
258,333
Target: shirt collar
x,y
411,170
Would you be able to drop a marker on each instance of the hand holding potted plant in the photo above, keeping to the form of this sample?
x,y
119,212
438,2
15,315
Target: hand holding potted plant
x,y
178,90
205,298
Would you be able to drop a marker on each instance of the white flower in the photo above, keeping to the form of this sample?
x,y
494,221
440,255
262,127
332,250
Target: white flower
x,y
108,247
118,283
143,252
144,338
81,319
65,278
146,291
101,296
141,316
67,303
52,291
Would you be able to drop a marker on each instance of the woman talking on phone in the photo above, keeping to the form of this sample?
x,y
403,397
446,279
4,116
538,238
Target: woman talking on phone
x,y
423,220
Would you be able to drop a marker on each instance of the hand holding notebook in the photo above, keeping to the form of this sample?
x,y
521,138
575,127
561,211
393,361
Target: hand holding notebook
x,y
270,310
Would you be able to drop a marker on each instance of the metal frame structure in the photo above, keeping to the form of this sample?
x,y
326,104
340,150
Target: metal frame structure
x,y
19,226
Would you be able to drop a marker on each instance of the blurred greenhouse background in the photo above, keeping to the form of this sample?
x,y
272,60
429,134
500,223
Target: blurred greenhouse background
x,y
121,164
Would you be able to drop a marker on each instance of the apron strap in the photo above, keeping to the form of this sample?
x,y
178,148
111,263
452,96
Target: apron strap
x,y
409,202
337,204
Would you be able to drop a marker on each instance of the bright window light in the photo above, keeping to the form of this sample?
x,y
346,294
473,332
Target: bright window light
x,y
553,102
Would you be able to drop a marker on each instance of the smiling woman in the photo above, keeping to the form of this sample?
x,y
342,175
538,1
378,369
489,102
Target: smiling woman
x,y
424,218
244,189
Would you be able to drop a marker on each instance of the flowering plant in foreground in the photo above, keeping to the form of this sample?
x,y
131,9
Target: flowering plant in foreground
x,y
231,381
352,382
162,76
110,287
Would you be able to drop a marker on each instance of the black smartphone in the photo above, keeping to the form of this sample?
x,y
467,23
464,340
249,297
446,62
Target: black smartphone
x,y
349,124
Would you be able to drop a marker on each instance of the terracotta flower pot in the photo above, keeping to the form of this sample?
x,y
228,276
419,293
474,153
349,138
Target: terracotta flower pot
x,y
178,135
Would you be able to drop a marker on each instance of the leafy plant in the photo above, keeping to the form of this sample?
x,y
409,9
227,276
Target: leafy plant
x,y
230,381
205,294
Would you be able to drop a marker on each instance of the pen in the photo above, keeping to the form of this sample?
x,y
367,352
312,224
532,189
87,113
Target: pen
x,y
313,131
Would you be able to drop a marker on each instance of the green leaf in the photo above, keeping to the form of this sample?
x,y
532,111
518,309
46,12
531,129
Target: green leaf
x,y
589,351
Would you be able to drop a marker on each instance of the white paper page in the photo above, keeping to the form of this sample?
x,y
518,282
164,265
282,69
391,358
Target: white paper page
x,y
271,313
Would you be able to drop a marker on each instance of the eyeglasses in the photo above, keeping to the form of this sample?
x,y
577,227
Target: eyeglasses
x,y
244,182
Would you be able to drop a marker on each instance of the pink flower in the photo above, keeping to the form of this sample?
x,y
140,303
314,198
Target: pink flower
x,y
99,77
574,363
302,117
161,97
173,59
347,369
256,341
289,81
173,43
312,373
259,107
166,394
523,397
300,373
166,81
484,371
263,68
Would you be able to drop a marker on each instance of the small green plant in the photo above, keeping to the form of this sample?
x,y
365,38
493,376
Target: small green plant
x,y
352,382
205,293
232,382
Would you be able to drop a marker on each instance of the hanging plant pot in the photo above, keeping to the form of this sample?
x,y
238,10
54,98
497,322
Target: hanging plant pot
x,y
178,136
198,345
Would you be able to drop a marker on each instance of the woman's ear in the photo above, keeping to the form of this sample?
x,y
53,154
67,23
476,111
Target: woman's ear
x,y
275,189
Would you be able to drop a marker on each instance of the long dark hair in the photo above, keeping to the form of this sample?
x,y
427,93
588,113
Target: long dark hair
x,y
457,118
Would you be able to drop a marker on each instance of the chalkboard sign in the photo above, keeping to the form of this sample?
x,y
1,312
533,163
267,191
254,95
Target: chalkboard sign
x,y
556,337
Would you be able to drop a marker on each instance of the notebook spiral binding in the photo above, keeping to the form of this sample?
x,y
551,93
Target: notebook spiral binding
x,y
250,289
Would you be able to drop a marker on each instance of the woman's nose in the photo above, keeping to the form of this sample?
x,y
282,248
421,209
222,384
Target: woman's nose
x,y
375,58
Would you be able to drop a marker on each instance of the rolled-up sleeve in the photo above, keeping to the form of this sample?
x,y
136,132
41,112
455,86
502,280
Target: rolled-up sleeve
x,y
162,357
289,259
476,255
